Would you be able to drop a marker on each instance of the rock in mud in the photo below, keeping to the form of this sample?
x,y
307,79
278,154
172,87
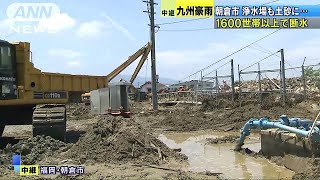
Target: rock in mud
x,y
224,139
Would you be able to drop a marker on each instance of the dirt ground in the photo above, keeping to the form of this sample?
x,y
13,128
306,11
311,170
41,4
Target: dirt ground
x,y
114,147
108,147
207,116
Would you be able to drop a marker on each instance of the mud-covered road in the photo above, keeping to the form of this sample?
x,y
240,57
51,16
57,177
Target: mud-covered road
x,y
114,147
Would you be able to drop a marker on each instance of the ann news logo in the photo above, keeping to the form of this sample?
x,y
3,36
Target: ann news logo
x,y
29,18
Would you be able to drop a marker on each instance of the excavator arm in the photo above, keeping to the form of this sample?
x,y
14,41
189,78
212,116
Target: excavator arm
x,y
139,66
143,51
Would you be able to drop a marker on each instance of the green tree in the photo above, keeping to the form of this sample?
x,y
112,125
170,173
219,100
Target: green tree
x,y
313,75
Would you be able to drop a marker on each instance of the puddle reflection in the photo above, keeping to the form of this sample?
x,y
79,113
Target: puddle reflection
x,y
221,157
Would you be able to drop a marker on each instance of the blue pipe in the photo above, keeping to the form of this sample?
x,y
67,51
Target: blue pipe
x,y
283,123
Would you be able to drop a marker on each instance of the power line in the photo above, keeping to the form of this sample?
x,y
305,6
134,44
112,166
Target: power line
x,y
235,52
270,2
270,52
260,60
218,68
175,30
175,22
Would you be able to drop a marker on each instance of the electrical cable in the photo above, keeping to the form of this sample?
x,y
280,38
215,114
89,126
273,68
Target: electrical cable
x,y
235,52
181,30
175,22
260,60
218,68
270,52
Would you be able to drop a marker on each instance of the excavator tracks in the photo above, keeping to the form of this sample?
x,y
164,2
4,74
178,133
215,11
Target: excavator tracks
x,y
50,120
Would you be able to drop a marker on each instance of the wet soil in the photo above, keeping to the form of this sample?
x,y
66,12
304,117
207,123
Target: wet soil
x,y
78,111
191,118
113,147
109,147
116,139
224,139
304,167
221,158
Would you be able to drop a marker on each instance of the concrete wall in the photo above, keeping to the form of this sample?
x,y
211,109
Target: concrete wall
x,y
279,143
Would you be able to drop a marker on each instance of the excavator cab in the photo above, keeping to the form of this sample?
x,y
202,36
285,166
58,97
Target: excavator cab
x,y
8,72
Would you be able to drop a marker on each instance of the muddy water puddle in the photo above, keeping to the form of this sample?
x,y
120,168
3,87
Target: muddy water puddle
x,y
220,158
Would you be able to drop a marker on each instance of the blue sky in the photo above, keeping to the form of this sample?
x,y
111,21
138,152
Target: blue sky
x,y
94,37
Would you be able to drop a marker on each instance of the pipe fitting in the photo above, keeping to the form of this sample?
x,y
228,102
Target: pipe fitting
x,y
285,119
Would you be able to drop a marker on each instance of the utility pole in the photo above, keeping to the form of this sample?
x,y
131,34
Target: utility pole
x,y
232,81
283,73
153,55
304,80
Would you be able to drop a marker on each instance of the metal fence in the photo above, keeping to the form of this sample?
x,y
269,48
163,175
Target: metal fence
x,y
285,83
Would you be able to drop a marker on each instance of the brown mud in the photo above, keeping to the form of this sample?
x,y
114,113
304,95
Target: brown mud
x,y
78,111
193,118
114,147
107,146
304,167
224,139
116,139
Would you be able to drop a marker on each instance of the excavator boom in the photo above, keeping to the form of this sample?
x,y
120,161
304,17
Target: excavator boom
x,y
144,51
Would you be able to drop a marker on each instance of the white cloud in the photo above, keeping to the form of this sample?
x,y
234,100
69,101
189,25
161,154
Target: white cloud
x,y
188,61
73,63
92,29
53,24
57,22
309,49
181,63
120,28
64,53
5,26
96,28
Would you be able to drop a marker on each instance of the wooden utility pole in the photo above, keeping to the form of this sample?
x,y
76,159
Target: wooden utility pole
x,y
153,55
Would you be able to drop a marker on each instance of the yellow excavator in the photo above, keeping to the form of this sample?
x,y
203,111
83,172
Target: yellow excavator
x,y
30,96
143,52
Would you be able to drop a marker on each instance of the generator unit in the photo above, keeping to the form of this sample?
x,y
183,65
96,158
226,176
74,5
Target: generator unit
x,y
112,100
100,101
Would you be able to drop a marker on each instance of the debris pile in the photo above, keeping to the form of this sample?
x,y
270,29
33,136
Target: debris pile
x,y
78,111
33,150
294,85
115,139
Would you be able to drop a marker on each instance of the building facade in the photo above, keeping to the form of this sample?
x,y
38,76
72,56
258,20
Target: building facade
x,y
146,87
191,85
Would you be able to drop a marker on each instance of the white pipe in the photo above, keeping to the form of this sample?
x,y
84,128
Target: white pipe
x,y
313,125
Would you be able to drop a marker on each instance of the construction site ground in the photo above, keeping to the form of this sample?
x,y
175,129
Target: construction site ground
x,y
140,147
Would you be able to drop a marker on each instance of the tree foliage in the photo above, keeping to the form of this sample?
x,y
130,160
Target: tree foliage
x,y
313,75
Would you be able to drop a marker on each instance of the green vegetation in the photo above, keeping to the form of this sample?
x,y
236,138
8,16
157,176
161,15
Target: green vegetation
x,y
313,74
